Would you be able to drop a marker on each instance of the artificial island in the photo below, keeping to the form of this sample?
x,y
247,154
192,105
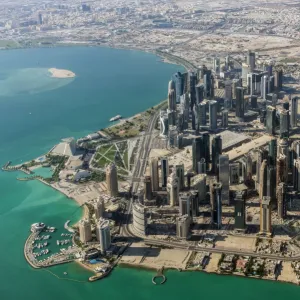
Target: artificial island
x,y
206,180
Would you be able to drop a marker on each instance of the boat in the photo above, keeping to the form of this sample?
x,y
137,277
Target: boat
x,y
116,118
65,273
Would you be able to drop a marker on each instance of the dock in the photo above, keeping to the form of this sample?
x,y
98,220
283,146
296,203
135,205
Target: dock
x,y
160,274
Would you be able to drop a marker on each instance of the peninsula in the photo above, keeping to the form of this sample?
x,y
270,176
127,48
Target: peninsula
x,y
60,73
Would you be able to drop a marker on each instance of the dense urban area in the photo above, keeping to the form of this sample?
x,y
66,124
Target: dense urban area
x,y
207,180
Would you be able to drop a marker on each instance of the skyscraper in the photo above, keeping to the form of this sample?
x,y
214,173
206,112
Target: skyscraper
x,y
224,177
263,179
271,117
201,167
239,211
206,147
228,93
164,171
240,105
173,189
192,81
99,208
251,60
281,200
278,80
294,112
154,174
148,188
207,84
185,204
180,175
112,180
178,80
216,203
200,115
85,233
197,150
199,184
216,65
199,93
281,169
172,100
272,155
213,113
216,151
296,174
225,118
265,215
164,123
284,124
103,234
183,227
264,86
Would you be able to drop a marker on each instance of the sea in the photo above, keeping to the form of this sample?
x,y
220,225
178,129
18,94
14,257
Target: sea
x,y
36,111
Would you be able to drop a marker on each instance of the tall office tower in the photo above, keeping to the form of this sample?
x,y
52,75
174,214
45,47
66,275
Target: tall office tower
x,y
234,173
99,208
263,180
271,87
40,19
271,118
249,167
286,104
183,224
264,87
103,234
180,175
216,150
225,118
235,83
201,166
228,93
171,86
154,174
179,141
212,87
240,105
296,174
239,210
178,80
194,200
194,118
200,115
139,218
172,118
281,200
281,169
265,215
278,78
197,150
164,123
261,155
284,124
250,83
294,112
180,122
112,180
207,84
213,115
227,62
216,65
185,82
272,155
199,93
224,177
164,171
173,189
206,147
271,187
85,232
245,70
253,101
172,136
199,183
192,88
296,149
216,203
251,60
148,188
269,69
184,204
172,100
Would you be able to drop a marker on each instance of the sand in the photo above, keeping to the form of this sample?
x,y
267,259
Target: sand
x,y
59,73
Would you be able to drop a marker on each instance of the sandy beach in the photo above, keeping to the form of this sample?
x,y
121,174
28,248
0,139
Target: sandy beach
x,y
59,73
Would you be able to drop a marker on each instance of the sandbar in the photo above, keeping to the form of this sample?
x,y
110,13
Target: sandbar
x,y
60,73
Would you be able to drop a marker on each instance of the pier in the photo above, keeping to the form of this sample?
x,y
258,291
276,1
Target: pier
x,y
159,275
68,228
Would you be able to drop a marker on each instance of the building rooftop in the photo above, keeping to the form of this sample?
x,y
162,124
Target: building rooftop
x,y
230,139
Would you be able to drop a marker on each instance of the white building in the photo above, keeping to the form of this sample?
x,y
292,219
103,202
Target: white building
x,y
103,234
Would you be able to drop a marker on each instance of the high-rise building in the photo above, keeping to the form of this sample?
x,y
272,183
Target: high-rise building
x,y
199,93
296,174
197,150
148,188
272,155
228,93
213,115
200,115
281,169
183,224
164,171
263,183
251,60
164,123
225,118
224,177
240,105
245,70
249,163
216,152
278,78
271,118
206,147
294,112
208,84
173,189
185,204
99,208
239,211
40,19
179,84
199,184
216,65
201,167
253,101
154,174
112,180
172,100
271,179
103,234
194,201
234,173
85,232
192,88
265,215
139,218
264,86
284,124
172,136
216,203
180,175
236,83
281,200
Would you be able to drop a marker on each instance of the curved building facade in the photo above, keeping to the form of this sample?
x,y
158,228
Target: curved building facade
x,y
139,218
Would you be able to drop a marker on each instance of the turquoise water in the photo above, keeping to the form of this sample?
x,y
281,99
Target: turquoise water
x,y
36,111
